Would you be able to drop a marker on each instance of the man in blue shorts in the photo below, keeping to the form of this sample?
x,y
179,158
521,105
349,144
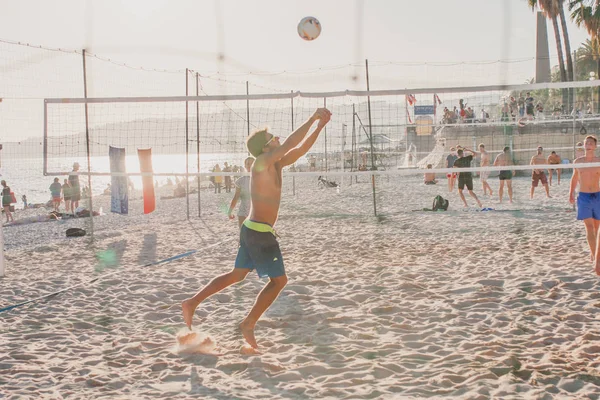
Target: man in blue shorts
x,y
588,200
258,244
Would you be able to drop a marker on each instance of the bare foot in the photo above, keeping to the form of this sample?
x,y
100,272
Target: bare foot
x,y
248,332
187,308
598,269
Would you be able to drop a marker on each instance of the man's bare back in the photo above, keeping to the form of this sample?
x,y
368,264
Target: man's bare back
x,y
501,160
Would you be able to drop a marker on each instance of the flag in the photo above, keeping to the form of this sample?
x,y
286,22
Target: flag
x,y
436,98
145,156
119,197
408,115
411,99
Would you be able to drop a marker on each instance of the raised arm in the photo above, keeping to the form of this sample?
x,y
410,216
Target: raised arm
x,y
270,158
293,155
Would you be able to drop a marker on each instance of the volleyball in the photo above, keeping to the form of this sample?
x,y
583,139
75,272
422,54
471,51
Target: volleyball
x,y
309,28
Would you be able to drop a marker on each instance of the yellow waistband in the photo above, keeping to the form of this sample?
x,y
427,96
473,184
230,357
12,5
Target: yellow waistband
x,y
258,226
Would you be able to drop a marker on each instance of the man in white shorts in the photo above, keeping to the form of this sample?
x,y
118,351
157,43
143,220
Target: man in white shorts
x,y
484,175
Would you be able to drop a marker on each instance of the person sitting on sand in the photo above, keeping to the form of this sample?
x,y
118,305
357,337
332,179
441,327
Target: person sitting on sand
x,y
429,178
242,193
6,200
179,190
55,189
554,159
258,248
588,200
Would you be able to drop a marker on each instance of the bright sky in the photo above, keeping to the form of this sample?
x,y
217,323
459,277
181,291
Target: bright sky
x,y
405,42
260,35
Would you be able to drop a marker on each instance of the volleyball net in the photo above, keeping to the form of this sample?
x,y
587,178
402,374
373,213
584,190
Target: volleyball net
x,y
378,137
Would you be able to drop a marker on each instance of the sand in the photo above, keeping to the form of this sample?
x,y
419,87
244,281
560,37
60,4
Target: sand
x,y
466,304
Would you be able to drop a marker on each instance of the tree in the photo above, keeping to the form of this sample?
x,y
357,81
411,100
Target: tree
x,y
587,13
551,10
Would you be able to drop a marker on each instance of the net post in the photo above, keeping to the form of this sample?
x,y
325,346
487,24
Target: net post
x,y
87,145
187,147
326,164
373,167
198,141
247,108
1,252
292,115
46,138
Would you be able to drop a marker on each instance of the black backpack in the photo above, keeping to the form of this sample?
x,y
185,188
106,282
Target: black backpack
x,y
75,232
439,203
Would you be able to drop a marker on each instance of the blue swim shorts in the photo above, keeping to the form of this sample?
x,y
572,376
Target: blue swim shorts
x,y
259,250
588,206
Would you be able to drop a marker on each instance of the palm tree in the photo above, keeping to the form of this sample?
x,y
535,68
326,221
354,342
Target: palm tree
x,y
587,13
565,31
551,10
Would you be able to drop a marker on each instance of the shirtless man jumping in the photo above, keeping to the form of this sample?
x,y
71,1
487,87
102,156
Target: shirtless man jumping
x,y
258,245
504,159
538,174
484,175
588,200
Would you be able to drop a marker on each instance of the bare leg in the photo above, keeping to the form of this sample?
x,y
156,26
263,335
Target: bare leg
x,y
550,173
487,186
473,195
264,300
547,191
558,175
216,285
501,190
462,197
596,255
531,192
591,236
450,184
510,192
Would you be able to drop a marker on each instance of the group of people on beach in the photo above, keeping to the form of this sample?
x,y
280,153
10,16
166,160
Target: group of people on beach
x,y
227,181
459,159
69,191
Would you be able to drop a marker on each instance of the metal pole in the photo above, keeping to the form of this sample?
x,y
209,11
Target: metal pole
x,y
326,165
248,108
87,145
46,138
293,177
373,167
198,143
187,149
